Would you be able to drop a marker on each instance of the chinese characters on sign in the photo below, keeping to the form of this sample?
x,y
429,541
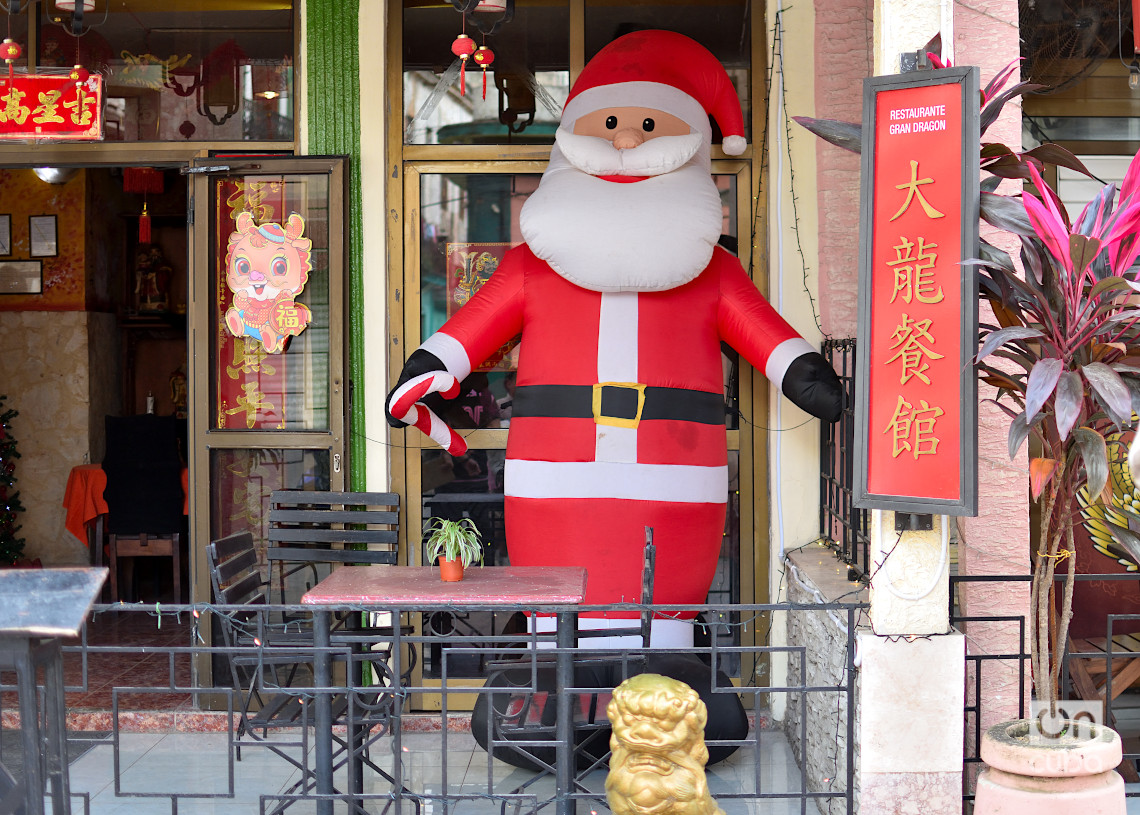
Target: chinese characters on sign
x,y
916,313
51,107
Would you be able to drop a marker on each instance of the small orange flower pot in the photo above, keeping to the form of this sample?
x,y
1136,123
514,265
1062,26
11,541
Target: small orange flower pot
x,y
450,571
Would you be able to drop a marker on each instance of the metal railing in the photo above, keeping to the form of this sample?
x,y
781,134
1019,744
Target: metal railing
x,y
164,679
981,661
844,525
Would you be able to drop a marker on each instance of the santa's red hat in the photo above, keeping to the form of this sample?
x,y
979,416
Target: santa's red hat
x,y
662,70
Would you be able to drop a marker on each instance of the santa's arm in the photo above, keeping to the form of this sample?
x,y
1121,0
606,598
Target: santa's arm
x,y
749,324
487,321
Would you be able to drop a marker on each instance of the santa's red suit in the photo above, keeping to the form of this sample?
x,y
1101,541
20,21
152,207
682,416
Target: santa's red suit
x,y
622,299
581,488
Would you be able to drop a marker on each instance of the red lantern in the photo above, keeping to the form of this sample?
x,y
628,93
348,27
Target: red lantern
x,y
79,74
463,47
10,51
484,57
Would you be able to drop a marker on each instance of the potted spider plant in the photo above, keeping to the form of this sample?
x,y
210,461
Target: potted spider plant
x,y
455,544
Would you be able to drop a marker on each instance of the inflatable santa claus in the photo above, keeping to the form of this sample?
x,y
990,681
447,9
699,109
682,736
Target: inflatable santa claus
x,y
622,297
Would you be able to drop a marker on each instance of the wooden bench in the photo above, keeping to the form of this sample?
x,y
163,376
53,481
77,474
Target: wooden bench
x,y
308,527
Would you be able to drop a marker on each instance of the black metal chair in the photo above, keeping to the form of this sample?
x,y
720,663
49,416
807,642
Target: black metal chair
x,y
144,494
309,528
271,664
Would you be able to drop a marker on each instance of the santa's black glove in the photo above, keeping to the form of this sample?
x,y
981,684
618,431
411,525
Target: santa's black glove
x,y
812,385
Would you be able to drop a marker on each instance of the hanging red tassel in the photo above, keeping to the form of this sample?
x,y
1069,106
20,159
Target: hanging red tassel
x,y
144,226
463,47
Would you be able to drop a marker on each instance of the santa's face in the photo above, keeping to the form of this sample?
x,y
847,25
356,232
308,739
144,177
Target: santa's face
x,y
651,235
628,141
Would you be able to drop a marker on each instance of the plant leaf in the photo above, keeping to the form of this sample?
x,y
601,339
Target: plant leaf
x,y
1001,77
1018,432
1005,212
1127,539
997,257
1055,154
1006,409
1070,398
847,135
1042,381
990,184
1040,474
1082,252
993,107
1114,395
1109,284
1095,456
1003,335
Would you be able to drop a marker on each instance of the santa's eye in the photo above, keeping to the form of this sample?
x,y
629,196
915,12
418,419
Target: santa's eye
x,y
280,266
648,125
611,123
243,266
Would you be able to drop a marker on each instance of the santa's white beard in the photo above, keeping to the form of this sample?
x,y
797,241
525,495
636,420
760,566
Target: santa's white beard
x,y
648,235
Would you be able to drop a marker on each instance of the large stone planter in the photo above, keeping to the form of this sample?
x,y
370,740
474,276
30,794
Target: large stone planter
x,y
1072,774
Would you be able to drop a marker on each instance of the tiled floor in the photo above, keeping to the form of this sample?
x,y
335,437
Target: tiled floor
x,y
197,764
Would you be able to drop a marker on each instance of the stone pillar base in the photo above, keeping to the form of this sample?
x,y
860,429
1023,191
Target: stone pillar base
x,y
912,692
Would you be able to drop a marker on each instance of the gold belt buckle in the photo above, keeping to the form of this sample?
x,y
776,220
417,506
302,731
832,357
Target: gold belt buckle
x,y
615,421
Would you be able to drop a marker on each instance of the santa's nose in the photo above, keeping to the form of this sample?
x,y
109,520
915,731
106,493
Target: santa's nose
x,y
628,138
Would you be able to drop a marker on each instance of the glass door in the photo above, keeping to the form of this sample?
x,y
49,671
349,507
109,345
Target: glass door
x,y
267,316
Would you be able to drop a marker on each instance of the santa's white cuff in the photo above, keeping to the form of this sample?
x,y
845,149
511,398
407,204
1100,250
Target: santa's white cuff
x,y
783,356
450,352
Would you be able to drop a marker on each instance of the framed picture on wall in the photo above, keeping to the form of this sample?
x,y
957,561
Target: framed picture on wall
x,y
42,241
21,277
5,235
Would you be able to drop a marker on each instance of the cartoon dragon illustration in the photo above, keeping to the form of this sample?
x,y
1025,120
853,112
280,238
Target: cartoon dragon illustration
x,y
267,267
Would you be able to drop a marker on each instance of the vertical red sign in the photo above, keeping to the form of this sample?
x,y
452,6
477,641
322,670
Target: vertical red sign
x,y
916,312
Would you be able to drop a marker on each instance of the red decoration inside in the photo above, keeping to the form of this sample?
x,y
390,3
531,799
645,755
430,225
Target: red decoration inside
x,y
484,56
463,47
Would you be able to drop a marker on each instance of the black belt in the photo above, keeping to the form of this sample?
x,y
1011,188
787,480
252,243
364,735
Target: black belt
x,y
622,404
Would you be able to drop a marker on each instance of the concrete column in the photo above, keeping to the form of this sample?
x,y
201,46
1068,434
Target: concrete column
x,y
911,663
910,586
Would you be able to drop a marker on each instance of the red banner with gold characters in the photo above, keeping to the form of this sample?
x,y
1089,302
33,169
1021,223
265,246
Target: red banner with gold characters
x,y
469,266
51,107
918,303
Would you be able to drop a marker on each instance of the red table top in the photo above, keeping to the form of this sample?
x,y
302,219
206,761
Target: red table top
x,y
420,586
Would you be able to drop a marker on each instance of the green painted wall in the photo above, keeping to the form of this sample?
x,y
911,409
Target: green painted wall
x,y
332,70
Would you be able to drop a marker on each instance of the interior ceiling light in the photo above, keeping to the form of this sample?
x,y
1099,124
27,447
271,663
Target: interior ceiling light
x,y
56,175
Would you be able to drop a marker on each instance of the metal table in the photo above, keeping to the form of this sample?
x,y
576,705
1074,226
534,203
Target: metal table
x,y
398,589
41,606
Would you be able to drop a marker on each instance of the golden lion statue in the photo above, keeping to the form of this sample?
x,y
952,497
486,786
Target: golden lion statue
x,y
659,753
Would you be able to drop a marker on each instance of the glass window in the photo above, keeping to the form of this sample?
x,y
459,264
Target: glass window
x,y
242,480
266,378
184,70
526,85
722,26
467,222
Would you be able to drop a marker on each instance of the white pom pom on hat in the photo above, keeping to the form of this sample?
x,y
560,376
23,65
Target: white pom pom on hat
x,y
662,70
